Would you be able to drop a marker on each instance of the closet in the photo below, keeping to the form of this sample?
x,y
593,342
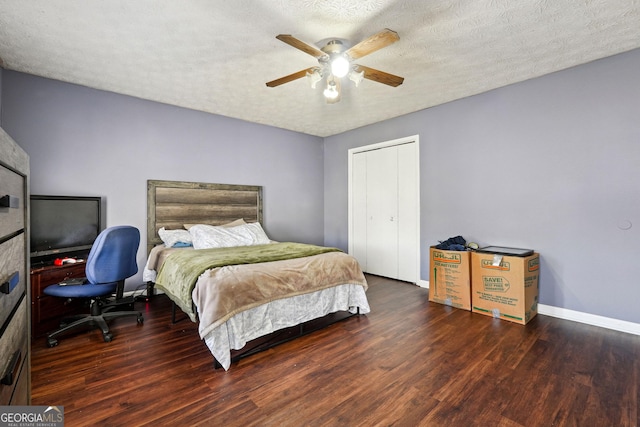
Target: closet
x,y
384,230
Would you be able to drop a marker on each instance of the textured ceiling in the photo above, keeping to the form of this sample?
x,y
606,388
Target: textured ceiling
x,y
216,56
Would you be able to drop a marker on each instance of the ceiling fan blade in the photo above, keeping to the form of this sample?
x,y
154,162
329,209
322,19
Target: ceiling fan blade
x,y
291,77
379,76
306,48
337,98
375,42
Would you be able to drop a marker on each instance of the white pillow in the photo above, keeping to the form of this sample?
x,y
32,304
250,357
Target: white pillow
x,y
255,230
210,236
172,238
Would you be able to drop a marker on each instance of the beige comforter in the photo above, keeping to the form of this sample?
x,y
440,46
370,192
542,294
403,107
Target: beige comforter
x,y
223,292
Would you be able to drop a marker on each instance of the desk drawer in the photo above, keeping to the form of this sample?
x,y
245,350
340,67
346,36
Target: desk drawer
x,y
50,307
11,262
14,343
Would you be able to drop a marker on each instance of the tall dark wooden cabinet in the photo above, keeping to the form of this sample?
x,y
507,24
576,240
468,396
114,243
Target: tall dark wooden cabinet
x,y
15,364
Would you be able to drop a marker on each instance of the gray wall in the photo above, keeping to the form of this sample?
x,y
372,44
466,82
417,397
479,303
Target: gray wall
x,y
88,142
551,164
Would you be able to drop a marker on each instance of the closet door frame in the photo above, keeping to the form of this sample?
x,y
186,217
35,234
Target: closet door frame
x,y
400,141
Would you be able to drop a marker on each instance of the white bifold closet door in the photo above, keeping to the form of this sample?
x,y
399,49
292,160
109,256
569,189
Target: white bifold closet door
x,y
384,209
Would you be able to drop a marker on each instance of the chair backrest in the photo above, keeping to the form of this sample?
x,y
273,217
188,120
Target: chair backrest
x,y
113,255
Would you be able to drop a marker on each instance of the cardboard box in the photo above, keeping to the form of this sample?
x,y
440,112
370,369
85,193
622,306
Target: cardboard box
x,y
450,278
505,287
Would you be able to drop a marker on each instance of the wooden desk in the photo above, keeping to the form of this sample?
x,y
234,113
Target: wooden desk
x,y
47,311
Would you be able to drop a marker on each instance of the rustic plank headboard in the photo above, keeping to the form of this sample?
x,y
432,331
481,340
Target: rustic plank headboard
x,y
171,204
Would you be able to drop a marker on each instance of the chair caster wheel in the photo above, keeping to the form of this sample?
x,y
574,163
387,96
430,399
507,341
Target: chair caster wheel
x,y
52,342
108,337
140,320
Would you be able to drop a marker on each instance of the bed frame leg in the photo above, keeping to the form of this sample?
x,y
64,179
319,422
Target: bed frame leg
x,y
174,311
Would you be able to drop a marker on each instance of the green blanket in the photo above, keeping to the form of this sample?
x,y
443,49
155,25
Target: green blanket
x,y
180,271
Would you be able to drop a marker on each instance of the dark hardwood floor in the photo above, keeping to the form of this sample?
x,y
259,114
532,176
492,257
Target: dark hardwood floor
x,y
407,363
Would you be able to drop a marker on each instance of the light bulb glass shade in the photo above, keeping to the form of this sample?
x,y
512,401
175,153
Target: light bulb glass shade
x,y
356,77
339,66
331,92
314,77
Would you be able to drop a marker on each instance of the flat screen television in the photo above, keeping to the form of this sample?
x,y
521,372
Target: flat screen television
x,y
63,226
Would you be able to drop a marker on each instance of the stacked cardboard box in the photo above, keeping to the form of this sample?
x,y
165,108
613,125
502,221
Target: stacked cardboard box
x,y
505,287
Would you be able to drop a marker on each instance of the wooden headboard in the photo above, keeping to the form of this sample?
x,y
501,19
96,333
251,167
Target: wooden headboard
x,y
171,204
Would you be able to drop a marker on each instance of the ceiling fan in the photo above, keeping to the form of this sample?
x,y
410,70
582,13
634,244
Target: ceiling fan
x,y
335,62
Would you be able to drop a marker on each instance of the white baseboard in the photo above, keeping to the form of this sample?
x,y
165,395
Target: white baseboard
x,y
577,316
590,319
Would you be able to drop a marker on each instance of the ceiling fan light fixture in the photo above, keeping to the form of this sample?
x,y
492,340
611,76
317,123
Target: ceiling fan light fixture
x,y
335,62
356,76
331,92
339,66
314,77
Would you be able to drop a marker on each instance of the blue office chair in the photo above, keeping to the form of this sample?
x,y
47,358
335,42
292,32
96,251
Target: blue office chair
x,y
111,260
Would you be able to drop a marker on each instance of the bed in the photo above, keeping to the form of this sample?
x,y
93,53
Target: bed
x,y
210,255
